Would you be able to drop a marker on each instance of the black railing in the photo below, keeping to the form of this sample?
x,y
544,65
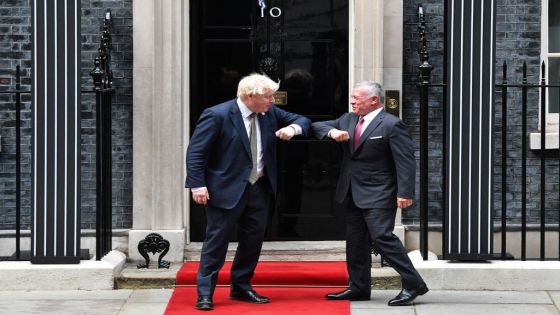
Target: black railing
x,y
542,87
504,87
103,89
17,93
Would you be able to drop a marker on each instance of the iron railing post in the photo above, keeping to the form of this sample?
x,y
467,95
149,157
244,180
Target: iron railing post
x,y
444,179
425,70
543,164
524,88
504,157
18,162
103,80
97,75
107,167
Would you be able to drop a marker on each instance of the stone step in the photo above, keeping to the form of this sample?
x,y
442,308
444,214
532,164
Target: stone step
x,y
133,278
284,251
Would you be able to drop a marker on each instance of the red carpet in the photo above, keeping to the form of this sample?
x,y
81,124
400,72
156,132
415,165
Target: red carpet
x,y
293,287
292,301
275,273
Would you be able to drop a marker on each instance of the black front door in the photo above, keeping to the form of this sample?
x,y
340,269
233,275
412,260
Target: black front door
x,y
304,44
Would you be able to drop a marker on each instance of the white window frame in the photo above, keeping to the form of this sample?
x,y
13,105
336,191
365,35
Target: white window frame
x,y
551,137
551,119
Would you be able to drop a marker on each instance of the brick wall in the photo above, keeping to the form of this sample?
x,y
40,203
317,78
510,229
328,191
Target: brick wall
x,y
15,47
433,11
517,40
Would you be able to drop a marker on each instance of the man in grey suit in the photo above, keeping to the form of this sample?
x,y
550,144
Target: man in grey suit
x,y
377,176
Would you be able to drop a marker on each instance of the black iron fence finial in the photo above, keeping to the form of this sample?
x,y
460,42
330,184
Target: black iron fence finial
x,y
97,74
425,66
102,73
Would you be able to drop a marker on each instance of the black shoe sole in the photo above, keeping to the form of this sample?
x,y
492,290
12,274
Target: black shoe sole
x,y
247,300
204,308
351,299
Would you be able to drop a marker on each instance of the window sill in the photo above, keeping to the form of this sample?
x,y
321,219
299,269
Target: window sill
x,y
551,141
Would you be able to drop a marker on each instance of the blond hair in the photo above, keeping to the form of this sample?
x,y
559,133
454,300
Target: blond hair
x,y
256,83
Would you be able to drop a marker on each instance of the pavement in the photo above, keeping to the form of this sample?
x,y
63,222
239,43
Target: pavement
x,y
154,301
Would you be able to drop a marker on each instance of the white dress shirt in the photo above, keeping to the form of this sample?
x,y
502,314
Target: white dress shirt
x,y
246,114
369,118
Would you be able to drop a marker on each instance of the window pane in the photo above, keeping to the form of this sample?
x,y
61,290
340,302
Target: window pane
x,y
554,26
553,78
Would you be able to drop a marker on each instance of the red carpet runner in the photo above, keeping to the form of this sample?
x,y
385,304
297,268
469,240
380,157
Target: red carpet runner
x,y
293,288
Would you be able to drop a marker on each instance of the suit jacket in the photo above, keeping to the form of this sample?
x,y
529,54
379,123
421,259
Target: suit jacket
x,y
219,152
381,167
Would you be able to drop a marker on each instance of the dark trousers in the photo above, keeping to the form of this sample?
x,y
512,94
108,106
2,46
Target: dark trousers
x,y
364,226
250,217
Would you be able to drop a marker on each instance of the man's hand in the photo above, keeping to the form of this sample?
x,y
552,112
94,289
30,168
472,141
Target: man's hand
x,y
339,135
201,196
404,202
285,133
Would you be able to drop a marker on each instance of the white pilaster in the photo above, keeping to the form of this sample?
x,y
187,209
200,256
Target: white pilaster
x,y
158,129
376,28
393,45
376,42
366,30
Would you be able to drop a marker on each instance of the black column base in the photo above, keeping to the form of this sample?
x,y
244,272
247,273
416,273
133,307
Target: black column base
x,y
53,260
468,257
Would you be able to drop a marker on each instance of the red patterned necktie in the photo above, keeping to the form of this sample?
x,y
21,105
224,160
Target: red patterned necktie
x,y
358,132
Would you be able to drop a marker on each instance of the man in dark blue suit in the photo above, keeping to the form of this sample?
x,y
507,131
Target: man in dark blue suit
x,y
232,169
377,176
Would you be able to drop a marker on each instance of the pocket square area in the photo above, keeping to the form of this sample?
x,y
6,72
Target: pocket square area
x,y
376,137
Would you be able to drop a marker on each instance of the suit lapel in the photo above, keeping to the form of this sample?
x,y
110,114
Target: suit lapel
x,y
237,120
371,127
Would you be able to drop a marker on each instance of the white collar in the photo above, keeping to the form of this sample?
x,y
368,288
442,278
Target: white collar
x,y
371,116
245,111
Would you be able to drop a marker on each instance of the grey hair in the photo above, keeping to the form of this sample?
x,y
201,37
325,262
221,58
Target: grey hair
x,y
373,89
256,83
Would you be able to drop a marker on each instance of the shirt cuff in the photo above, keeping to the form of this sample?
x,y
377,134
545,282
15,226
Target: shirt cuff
x,y
297,129
195,189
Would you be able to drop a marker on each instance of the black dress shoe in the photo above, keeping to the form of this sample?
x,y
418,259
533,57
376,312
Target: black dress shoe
x,y
248,296
204,303
349,294
406,296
